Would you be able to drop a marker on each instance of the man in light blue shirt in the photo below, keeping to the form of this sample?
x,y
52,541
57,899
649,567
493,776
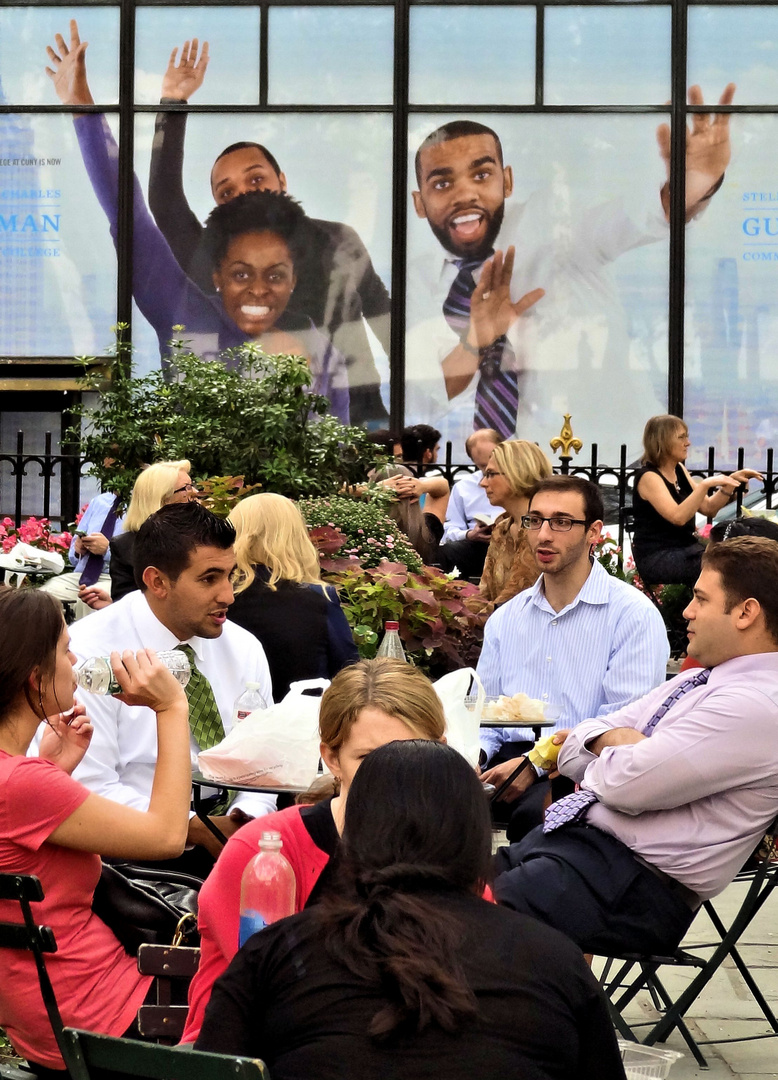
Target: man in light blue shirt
x,y
580,640
97,526
465,540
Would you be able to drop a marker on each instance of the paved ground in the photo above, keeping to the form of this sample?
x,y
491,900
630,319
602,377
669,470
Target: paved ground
x,y
726,1008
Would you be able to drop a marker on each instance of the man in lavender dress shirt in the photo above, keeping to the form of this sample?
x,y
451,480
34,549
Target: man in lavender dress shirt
x,y
682,790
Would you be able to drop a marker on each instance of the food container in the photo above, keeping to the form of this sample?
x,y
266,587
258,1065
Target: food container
x,y
646,1061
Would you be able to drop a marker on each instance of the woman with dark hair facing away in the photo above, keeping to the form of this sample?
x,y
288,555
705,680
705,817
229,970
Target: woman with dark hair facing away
x,y
280,597
53,827
509,480
666,499
254,242
423,527
368,704
405,970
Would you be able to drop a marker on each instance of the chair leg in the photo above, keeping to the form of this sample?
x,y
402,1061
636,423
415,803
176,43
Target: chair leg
x,y
671,1009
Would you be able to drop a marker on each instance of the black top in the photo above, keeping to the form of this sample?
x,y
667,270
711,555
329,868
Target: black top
x,y
304,632
320,826
652,531
542,1016
121,566
337,284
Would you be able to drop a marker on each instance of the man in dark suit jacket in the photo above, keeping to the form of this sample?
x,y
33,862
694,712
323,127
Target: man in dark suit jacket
x,y
337,285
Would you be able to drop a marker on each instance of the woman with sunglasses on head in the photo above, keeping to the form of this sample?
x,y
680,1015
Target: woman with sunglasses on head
x,y
53,827
367,704
404,970
666,500
509,480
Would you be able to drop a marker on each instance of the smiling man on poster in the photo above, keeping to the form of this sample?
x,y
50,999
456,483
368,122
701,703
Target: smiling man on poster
x,y
509,291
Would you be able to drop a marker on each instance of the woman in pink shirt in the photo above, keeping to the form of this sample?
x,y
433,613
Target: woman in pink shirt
x,y
53,827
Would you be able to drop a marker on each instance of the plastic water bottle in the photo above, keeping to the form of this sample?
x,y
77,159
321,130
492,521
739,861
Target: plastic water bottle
x,y
391,645
247,702
267,888
96,674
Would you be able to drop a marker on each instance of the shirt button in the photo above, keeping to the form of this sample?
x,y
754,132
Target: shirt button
x,y
545,696
548,659
553,622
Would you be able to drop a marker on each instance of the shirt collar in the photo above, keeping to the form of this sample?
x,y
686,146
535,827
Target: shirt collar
x,y
155,635
595,590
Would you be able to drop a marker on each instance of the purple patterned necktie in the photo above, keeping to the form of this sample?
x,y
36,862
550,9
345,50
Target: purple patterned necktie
x,y
575,807
93,567
497,392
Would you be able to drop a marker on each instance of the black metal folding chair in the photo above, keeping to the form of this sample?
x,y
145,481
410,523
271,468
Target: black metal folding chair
x,y
104,1057
638,972
26,889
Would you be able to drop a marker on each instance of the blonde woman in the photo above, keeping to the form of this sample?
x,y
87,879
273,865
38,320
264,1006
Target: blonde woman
x,y
280,597
161,483
509,480
369,704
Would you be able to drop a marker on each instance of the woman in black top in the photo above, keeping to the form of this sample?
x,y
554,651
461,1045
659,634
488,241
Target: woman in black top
x,y
280,597
405,970
666,499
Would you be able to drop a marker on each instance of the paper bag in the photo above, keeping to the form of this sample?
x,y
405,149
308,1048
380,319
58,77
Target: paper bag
x,y
462,720
273,747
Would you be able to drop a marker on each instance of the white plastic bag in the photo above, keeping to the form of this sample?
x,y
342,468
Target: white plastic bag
x,y
462,720
25,556
273,747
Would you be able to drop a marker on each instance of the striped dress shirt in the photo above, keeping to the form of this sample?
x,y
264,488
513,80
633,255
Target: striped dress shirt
x,y
604,650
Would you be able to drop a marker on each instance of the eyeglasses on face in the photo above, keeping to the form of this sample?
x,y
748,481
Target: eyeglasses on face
x,y
558,523
491,473
188,488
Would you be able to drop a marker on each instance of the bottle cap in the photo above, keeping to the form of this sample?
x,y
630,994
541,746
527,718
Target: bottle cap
x,y
391,626
253,686
271,840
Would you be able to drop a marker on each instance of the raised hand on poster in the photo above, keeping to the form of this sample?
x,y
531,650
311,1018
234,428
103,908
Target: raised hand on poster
x,y
492,312
69,71
708,152
185,77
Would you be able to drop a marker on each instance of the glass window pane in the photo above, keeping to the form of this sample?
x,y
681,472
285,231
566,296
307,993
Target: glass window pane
x,y
582,208
331,56
340,168
26,31
735,44
57,263
607,56
232,33
731,378
471,55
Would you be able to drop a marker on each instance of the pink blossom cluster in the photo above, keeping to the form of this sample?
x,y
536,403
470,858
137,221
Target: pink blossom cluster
x,y
34,531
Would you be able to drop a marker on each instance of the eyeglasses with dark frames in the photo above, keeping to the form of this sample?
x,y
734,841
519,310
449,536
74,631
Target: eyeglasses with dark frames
x,y
188,488
533,522
490,473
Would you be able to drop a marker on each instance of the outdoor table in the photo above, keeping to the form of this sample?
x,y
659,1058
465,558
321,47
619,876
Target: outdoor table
x,y
199,782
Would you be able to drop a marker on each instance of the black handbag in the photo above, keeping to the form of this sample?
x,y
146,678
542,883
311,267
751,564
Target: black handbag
x,y
143,906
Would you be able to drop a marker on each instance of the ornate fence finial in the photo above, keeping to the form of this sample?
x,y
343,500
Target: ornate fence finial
x,y
565,440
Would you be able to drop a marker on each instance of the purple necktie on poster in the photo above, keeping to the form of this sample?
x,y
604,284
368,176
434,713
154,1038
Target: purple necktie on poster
x,y
94,563
497,393
576,806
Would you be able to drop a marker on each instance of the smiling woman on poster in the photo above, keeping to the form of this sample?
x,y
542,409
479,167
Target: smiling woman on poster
x,y
254,242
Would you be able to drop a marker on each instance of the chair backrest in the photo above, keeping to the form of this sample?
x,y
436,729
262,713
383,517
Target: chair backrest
x,y
27,889
172,966
126,1057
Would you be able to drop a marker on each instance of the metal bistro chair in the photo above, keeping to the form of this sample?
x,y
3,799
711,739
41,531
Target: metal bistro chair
x,y
26,889
101,1056
622,987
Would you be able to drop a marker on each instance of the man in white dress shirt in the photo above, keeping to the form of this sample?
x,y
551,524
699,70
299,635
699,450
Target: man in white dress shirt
x,y
188,562
466,540
527,286
579,640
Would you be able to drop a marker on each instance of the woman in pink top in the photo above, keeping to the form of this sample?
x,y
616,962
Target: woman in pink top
x,y
371,703
53,827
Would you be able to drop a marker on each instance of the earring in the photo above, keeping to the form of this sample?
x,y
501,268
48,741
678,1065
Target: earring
x,y
218,288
